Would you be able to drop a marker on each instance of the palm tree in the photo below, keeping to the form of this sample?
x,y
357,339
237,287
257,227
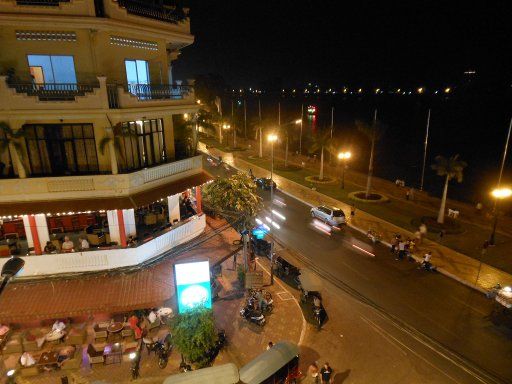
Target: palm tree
x,y
451,168
114,139
373,133
10,142
321,142
202,119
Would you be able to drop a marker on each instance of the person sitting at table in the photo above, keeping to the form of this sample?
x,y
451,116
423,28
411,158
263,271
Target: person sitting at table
x,y
50,247
27,360
131,242
58,326
67,245
65,353
83,243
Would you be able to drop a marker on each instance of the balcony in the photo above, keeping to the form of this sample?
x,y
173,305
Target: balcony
x,y
141,95
54,189
26,96
54,91
44,3
154,9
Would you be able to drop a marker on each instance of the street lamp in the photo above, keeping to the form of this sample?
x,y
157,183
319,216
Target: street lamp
x,y
226,127
299,121
10,269
272,138
343,157
499,194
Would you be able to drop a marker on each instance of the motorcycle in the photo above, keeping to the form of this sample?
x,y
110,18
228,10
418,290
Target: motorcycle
x,y
253,316
318,311
267,304
373,236
427,266
162,349
219,344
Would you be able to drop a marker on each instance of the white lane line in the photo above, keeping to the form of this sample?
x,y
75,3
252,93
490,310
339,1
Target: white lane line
x,y
411,350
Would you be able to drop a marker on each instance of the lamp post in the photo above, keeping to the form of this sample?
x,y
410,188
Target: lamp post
x,y
272,138
343,157
226,127
10,269
498,194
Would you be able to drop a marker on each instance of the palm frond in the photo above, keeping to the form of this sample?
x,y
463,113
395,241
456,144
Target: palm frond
x,y
118,147
19,150
4,146
6,129
104,143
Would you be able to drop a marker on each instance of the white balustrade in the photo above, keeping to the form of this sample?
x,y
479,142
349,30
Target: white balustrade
x,y
107,259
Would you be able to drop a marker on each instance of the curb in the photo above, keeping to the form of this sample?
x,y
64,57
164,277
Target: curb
x,y
303,330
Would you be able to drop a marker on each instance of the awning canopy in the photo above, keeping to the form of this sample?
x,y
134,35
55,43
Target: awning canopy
x,y
94,204
219,374
268,363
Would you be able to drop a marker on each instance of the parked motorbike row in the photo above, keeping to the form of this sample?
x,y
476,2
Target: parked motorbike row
x,y
258,302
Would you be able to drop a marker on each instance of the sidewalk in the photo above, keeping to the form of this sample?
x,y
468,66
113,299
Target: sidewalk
x,y
454,264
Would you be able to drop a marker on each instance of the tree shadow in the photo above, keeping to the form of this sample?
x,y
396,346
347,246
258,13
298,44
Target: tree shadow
x,y
341,376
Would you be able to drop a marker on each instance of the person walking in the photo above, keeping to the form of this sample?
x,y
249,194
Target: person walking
x,y
352,210
442,232
401,250
313,372
326,374
394,243
407,195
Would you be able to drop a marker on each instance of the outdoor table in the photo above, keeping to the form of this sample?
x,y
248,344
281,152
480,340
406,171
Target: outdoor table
x,y
115,329
56,334
114,354
48,358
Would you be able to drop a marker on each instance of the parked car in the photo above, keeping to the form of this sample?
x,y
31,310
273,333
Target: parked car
x,y
265,183
330,215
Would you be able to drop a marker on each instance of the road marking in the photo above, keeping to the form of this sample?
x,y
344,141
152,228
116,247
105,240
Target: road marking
x,y
409,349
383,333
363,250
470,307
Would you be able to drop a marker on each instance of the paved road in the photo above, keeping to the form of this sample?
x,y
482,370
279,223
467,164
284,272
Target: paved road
x,y
449,313
441,308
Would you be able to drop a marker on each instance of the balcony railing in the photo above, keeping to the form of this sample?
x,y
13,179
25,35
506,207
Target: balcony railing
x,y
45,3
53,91
159,91
154,9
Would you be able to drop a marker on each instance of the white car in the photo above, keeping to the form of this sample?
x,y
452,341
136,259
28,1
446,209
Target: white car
x,y
330,215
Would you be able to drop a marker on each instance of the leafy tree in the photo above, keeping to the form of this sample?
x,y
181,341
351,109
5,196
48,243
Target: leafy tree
x,y
451,168
114,139
10,143
194,334
373,132
235,198
321,142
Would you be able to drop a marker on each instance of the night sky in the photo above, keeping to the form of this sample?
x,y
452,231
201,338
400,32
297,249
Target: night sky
x,y
373,43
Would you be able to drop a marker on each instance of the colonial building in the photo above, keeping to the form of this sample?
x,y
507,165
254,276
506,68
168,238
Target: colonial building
x,y
88,111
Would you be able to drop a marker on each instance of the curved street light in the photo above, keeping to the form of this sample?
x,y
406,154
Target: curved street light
x,y
10,269
498,194
343,157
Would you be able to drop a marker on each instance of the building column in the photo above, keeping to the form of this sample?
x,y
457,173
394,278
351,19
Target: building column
x,y
117,225
129,222
174,207
199,200
29,223
42,229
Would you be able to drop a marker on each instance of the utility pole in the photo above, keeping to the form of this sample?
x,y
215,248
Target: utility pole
x,y
425,151
233,123
332,130
260,128
245,119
